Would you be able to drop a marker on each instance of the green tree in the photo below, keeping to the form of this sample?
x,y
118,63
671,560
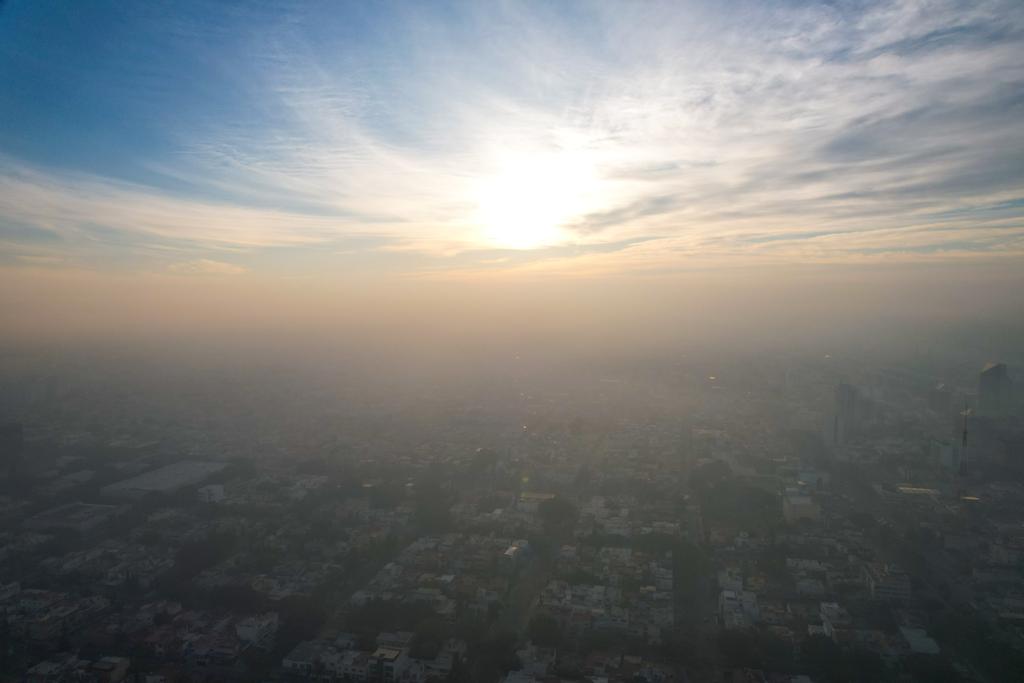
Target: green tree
x,y
557,512
545,631
823,659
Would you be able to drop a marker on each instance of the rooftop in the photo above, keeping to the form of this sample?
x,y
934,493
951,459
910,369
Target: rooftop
x,y
166,479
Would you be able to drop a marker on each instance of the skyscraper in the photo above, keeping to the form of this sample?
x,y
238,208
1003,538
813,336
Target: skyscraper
x,y
995,389
846,419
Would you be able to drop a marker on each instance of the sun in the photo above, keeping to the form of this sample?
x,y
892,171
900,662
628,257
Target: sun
x,y
530,199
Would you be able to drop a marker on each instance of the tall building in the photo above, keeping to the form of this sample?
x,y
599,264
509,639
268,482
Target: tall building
x,y
847,416
945,453
995,390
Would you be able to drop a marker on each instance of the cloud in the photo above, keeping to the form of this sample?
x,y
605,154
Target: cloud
x,y
649,206
40,260
206,267
765,132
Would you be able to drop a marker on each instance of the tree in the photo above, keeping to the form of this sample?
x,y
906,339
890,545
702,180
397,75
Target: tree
x,y
430,636
654,543
545,631
709,473
865,666
301,619
484,461
686,648
433,505
237,598
931,669
497,654
557,512
736,649
755,650
733,502
823,659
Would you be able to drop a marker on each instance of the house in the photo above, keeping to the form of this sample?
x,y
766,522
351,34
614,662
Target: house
x,y
833,617
258,631
919,642
388,663
304,658
109,669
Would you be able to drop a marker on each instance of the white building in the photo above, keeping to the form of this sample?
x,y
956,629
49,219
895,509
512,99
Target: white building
x,y
213,493
795,508
919,642
833,617
258,631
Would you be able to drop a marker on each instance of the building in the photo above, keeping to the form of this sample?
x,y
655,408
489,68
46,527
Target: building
x,y
945,454
797,507
738,610
519,677
258,631
165,479
995,390
530,501
388,663
109,669
919,642
69,668
848,416
515,555
730,579
50,671
833,617
81,517
212,493
886,582
9,590
304,658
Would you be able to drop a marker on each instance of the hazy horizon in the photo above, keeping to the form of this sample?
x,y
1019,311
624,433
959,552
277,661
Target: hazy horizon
x,y
197,169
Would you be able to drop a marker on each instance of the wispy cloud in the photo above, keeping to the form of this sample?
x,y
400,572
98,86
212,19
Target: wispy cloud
x,y
794,131
206,267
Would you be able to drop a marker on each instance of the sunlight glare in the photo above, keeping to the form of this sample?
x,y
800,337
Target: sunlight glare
x,y
528,202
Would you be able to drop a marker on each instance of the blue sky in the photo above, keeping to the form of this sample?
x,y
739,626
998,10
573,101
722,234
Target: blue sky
x,y
211,139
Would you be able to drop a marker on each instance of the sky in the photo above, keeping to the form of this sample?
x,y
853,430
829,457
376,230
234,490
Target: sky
x,y
183,142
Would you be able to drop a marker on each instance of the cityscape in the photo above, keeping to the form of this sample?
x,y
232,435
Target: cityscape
x,y
808,518
512,341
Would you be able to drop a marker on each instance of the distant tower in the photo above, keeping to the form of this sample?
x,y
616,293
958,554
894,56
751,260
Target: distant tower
x,y
995,389
845,419
963,452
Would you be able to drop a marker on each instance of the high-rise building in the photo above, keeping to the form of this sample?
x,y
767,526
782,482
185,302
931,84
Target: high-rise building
x,y
846,399
847,417
995,389
945,453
